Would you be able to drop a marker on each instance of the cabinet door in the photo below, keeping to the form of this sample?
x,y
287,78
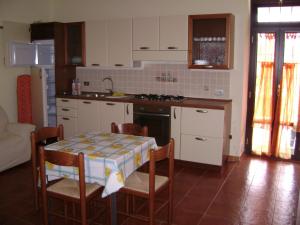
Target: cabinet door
x,y
201,121
96,43
173,32
70,125
75,43
128,118
202,149
146,33
175,129
120,42
88,116
111,112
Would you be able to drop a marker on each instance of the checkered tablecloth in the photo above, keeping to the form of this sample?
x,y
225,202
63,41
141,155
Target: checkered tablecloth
x,y
109,158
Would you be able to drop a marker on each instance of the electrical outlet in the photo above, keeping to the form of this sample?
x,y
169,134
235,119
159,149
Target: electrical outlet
x,y
219,92
86,83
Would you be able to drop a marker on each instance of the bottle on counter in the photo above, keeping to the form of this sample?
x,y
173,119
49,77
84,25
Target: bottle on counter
x,y
74,88
78,87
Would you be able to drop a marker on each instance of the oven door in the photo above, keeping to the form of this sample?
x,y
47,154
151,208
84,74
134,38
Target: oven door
x,y
159,125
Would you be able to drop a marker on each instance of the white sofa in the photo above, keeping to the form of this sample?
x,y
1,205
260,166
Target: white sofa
x,y
14,142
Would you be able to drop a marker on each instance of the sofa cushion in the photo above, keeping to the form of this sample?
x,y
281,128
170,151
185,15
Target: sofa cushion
x,y
3,119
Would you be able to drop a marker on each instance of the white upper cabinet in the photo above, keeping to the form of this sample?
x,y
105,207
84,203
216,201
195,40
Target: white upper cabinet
x,y
173,32
96,43
119,42
146,33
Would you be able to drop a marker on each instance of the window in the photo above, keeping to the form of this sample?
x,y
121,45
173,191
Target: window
x,y
278,14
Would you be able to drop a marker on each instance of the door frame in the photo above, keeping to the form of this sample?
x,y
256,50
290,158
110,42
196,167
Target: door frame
x,y
279,29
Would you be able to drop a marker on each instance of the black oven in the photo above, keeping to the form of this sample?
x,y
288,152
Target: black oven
x,y
156,118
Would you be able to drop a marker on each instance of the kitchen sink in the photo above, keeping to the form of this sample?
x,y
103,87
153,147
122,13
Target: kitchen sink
x,y
102,95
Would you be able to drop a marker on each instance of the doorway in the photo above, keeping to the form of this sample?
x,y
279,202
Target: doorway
x,y
274,91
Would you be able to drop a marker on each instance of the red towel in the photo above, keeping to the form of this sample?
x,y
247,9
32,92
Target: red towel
x,y
24,98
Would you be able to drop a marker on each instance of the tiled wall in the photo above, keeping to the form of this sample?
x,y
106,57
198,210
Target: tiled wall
x,y
174,79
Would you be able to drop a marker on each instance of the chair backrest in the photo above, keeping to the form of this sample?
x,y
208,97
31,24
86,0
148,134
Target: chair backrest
x,y
62,159
164,152
129,128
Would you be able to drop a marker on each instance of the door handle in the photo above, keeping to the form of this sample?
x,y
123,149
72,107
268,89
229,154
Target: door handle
x,y
201,111
64,118
85,102
63,109
127,109
175,114
108,103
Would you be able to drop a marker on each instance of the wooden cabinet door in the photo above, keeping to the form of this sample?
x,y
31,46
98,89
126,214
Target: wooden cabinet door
x,y
128,118
111,112
96,43
175,129
88,116
145,33
120,42
202,149
173,33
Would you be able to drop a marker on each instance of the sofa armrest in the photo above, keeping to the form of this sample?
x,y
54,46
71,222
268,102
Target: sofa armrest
x,y
22,129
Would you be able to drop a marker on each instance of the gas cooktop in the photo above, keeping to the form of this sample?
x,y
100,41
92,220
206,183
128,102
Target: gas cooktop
x,y
161,98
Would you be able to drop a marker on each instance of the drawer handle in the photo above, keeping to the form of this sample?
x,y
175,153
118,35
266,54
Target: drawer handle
x,y
200,139
201,111
108,103
117,64
172,47
65,110
95,64
64,118
144,48
65,100
85,102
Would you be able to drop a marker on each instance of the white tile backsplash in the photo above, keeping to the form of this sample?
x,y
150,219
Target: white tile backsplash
x,y
189,83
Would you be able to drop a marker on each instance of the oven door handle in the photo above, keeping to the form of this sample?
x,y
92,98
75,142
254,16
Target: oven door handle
x,y
152,114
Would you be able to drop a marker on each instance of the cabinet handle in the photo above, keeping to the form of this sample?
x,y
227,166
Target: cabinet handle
x,y
63,109
119,64
64,118
85,102
201,111
127,109
65,100
209,66
200,139
172,47
144,48
108,103
175,114
95,64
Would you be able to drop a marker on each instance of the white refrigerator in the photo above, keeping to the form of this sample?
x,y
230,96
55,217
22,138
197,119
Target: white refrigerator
x,y
39,55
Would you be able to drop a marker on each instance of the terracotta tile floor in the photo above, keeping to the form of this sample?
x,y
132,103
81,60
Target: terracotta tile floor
x,y
251,192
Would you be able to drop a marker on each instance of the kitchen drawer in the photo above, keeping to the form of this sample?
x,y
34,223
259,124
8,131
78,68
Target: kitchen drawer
x,y
65,102
70,125
201,121
66,111
202,149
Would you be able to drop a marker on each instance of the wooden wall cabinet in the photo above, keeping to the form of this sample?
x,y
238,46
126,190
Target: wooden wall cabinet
x,y
211,41
75,43
42,31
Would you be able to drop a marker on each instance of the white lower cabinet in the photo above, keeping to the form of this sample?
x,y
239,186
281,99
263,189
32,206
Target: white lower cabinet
x,y
201,149
67,115
175,129
204,135
88,116
111,112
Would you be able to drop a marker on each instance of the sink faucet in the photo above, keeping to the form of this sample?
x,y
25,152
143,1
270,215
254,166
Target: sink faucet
x,y
111,91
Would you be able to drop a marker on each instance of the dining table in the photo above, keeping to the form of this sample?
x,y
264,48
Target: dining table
x,y
109,158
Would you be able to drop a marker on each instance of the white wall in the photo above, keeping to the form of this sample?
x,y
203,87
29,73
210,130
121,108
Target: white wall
x,y
77,10
17,11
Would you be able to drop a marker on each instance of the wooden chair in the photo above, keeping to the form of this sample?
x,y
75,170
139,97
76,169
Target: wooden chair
x,y
43,136
148,185
66,189
129,128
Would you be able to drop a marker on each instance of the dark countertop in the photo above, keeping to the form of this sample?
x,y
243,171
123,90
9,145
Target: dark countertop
x,y
187,102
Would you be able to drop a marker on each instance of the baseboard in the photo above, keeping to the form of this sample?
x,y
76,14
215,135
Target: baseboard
x,y
232,158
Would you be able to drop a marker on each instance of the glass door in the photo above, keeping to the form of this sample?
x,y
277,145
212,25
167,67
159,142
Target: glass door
x,y
276,111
